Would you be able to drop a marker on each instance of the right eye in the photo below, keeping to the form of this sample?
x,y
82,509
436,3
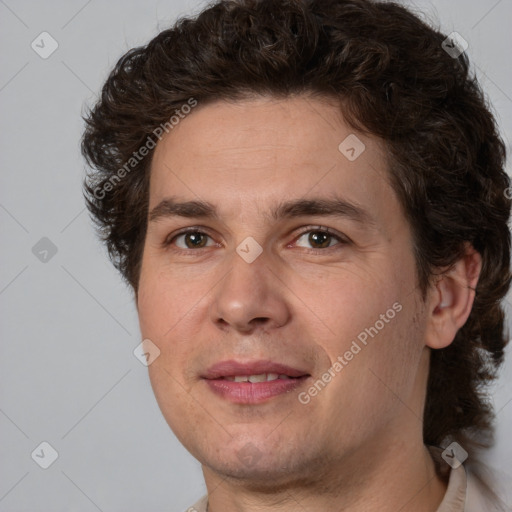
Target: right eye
x,y
189,239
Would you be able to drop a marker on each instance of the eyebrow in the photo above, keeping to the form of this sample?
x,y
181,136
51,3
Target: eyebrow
x,y
336,207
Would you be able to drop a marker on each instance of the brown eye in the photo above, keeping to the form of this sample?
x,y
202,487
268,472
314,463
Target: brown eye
x,y
191,240
319,239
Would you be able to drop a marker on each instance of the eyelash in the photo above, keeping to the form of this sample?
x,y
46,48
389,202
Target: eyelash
x,y
310,229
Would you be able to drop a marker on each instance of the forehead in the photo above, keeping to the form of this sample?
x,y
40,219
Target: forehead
x,y
292,130
253,153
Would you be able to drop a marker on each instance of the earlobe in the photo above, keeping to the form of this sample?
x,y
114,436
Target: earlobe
x,y
451,300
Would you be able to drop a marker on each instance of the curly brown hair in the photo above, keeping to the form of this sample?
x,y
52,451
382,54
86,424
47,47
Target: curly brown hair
x,y
394,80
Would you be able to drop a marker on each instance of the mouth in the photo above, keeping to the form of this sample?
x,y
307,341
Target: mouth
x,y
253,382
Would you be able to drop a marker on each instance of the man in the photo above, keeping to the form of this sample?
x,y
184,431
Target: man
x,y
308,199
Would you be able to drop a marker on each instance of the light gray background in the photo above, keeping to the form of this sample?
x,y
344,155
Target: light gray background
x,y
69,326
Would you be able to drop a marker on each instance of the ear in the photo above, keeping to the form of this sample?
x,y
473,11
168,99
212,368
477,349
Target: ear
x,y
450,300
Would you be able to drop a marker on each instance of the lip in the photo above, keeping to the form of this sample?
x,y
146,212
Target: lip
x,y
231,368
248,392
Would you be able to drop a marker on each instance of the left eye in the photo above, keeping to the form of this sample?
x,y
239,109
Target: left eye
x,y
319,239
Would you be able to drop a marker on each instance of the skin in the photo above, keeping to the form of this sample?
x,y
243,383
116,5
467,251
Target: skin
x,y
357,445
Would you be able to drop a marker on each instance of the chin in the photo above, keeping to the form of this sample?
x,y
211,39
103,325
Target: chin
x,y
263,477
267,471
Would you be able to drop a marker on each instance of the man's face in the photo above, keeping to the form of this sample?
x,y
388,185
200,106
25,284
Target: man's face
x,y
218,308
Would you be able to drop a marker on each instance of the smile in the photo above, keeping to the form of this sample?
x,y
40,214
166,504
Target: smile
x,y
252,382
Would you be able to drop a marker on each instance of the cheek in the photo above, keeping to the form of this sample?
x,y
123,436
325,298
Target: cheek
x,y
165,302
171,312
372,387
390,359
369,321
346,305
166,317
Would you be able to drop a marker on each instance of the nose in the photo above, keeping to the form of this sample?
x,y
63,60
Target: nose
x,y
250,296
